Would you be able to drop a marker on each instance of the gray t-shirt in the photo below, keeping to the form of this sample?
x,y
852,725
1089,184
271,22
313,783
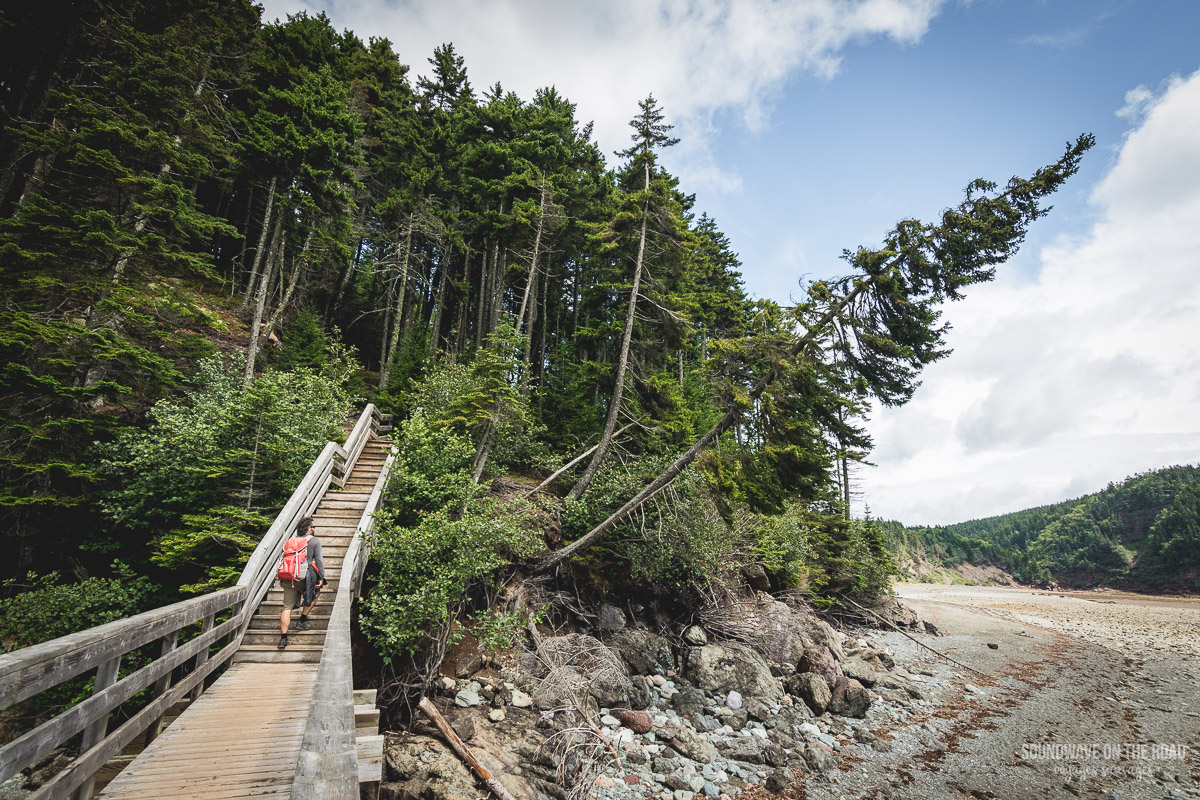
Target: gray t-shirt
x,y
314,555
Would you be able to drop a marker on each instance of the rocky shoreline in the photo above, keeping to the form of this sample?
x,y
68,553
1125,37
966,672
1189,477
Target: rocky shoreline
x,y
632,714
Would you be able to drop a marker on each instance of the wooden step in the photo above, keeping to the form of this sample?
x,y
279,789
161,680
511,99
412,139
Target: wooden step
x,y
366,720
292,654
261,623
309,638
365,697
370,759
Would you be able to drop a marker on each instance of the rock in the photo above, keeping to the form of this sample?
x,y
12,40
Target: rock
x,y
644,652
447,685
695,636
631,780
993,645
677,780
819,757
692,745
520,699
819,659
748,749
881,659
756,577
850,699
467,698
497,715
733,700
420,768
689,701
778,780
610,618
719,669
972,688
861,670
636,721
603,782
663,765
931,629
610,721
577,661
825,635
468,665
775,755
758,710
812,689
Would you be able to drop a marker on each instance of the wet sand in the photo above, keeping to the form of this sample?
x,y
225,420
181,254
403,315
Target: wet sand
x,y
1092,695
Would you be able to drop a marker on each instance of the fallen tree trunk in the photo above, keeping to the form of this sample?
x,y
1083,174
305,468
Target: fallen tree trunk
x,y
435,716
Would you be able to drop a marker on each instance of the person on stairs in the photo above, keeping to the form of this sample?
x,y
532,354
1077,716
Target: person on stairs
x,y
302,594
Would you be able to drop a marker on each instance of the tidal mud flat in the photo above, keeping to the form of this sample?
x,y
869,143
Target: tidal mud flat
x,y
1056,694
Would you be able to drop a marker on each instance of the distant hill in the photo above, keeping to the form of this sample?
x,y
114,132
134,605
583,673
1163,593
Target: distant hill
x,y
1141,534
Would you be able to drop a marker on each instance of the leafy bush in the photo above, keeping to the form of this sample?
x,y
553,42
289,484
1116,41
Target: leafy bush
x,y
201,480
782,544
52,609
438,540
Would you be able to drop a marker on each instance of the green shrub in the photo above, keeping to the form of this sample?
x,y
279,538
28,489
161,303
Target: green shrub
x,y
782,544
53,609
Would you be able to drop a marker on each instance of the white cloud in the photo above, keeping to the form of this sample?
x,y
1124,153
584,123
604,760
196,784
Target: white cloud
x,y
697,58
1086,374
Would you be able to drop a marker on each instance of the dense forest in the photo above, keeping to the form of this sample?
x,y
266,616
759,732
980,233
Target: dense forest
x,y
1142,533
218,235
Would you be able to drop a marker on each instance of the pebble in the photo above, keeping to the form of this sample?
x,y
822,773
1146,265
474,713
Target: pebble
x,y
733,700
496,715
520,699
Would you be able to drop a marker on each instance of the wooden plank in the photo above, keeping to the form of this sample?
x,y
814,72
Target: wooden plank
x,y
27,749
92,760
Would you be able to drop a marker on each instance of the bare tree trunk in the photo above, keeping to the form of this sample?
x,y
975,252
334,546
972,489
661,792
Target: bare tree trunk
x,y
385,370
262,243
731,416
485,277
533,262
614,406
263,288
436,327
297,271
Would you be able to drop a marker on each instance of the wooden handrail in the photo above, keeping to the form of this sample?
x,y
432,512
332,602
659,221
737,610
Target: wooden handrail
x,y
328,762
27,672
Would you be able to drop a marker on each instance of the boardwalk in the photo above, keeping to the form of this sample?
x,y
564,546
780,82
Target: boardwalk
x,y
242,737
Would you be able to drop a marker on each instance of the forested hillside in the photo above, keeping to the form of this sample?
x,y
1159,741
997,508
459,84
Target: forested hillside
x,y
217,235
1142,533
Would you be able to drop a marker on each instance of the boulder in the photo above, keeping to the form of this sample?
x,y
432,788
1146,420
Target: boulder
x,y
610,619
824,634
690,744
819,659
812,689
422,768
747,749
756,577
850,698
721,668
695,636
644,652
862,671
881,659
689,701
819,757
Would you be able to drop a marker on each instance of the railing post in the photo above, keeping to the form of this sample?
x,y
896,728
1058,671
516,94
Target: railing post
x,y
202,656
106,676
161,685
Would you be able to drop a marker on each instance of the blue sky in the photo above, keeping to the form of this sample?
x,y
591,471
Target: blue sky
x,y
810,126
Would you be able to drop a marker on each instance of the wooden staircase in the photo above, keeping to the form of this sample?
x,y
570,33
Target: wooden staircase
x,y
335,518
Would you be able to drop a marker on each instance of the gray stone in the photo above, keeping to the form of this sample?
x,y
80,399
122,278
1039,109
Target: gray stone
x,y
778,780
610,618
733,700
758,710
865,672
775,755
692,745
664,765
421,767
676,780
520,699
824,634
688,701
467,698
819,659
468,665
644,652
812,689
711,790
695,636
747,749
703,722
850,699
880,658
720,669
818,757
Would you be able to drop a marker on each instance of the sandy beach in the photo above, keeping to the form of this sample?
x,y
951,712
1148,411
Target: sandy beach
x,y
1055,694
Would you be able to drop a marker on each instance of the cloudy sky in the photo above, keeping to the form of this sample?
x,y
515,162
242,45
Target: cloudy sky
x,y
810,126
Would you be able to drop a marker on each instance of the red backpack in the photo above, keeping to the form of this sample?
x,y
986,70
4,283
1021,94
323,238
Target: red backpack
x,y
293,564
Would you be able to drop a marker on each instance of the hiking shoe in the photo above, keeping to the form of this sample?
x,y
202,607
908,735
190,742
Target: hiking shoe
x,y
282,641
303,624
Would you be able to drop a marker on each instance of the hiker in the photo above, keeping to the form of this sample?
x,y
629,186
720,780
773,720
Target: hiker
x,y
301,592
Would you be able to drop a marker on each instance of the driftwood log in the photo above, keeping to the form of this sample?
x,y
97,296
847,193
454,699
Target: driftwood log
x,y
460,747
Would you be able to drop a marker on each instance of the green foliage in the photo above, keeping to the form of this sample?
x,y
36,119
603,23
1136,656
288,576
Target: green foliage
x,y
51,609
437,541
199,482
783,544
502,630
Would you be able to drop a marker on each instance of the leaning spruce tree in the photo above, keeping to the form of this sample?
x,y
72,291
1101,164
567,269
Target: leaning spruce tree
x,y
888,309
